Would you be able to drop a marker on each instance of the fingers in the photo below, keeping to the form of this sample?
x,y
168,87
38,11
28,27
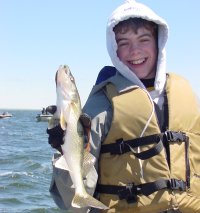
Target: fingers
x,y
85,120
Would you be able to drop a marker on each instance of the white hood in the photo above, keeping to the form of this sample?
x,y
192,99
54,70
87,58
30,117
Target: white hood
x,y
131,9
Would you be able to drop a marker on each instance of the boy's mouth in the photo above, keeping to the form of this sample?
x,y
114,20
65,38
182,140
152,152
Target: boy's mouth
x,y
138,61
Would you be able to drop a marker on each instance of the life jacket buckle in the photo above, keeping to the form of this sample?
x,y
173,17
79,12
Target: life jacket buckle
x,y
177,184
172,136
119,149
129,193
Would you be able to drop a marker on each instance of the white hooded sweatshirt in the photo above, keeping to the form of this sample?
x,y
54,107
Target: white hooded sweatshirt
x,y
133,9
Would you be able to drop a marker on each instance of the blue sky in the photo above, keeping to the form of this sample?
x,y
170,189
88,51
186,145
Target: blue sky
x,y
39,35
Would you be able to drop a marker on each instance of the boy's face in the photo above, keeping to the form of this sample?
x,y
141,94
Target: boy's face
x,y
138,51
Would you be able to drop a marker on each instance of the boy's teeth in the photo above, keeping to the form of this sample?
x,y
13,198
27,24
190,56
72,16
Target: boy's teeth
x,y
138,61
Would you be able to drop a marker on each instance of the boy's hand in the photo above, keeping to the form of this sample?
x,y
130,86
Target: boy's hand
x,y
55,138
56,133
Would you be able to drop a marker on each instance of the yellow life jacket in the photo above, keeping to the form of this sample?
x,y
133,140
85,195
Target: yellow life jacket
x,y
135,173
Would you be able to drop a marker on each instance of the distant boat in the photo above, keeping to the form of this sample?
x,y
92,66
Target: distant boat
x,y
5,115
43,117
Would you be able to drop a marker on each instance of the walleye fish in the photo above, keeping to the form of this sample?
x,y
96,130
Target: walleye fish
x,y
78,160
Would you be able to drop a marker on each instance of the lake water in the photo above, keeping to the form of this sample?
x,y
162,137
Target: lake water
x,y
25,164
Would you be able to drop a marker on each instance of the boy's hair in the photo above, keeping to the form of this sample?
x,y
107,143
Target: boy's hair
x,y
134,24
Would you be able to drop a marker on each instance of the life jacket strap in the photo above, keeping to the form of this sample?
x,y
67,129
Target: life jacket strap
x,y
130,191
121,146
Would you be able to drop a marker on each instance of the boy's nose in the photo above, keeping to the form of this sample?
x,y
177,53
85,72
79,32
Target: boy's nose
x,y
134,48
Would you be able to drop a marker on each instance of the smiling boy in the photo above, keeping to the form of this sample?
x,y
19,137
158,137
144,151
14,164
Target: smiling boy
x,y
144,134
137,46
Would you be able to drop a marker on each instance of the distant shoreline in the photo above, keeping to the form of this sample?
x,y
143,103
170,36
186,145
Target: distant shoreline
x,y
10,109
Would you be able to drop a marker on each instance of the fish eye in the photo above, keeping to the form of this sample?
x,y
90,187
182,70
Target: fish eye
x,y
71,78
67,71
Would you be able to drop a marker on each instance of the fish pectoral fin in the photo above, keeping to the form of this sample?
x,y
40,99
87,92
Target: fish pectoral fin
x,y
63,124
87,201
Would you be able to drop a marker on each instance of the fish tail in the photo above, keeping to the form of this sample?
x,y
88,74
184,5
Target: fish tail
x,y
88,201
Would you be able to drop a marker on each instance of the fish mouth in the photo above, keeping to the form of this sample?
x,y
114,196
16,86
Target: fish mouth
x,y
56,77
66,71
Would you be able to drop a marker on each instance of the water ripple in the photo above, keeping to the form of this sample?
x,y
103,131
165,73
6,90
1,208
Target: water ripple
x,y
25,165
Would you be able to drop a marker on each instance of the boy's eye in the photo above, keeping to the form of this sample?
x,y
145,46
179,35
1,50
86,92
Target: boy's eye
x,y
121,44
145,39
